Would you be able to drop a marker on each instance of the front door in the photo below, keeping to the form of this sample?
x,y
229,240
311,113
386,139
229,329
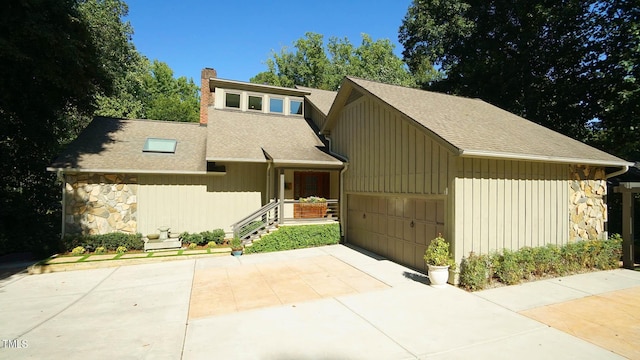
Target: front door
x,y
310,183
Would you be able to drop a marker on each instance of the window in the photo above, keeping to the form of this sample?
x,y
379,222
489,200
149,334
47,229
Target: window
x,y
232,100
255,103
160,145
276,105
296,107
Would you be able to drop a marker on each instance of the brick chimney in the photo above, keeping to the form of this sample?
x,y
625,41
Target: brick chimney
x,y
206,97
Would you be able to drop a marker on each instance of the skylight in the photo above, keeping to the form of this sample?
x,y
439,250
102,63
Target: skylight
x,y
160,145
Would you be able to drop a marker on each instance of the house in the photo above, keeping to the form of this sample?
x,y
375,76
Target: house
x,y
399,166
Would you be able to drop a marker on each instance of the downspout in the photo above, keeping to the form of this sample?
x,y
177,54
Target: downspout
x,y
622,170
343,228
343,201
60,177
266,194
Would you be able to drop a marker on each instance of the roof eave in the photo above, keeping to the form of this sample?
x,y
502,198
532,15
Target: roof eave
x,y
542,158
131,171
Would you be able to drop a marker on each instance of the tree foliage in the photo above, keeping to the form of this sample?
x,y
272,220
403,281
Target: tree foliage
x,y
142,89
618,85
49,68
168,98
313,64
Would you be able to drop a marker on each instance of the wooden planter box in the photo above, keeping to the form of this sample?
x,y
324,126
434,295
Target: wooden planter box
x,y
309,210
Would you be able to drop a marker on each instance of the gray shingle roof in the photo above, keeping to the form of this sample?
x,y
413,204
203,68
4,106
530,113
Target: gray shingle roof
x,y
477,128
115,145
321,99
252,137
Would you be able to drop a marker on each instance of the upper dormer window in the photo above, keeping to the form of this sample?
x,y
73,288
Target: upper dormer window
x,y
255,103
296,107
266,103
276,105
232,100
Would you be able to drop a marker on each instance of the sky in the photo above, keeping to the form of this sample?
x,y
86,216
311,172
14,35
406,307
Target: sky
x,y
237,37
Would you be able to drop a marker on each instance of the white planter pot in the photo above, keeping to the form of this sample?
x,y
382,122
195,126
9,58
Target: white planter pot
x,y
438,276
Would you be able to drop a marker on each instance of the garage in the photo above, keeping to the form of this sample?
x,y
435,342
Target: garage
x,y
398,228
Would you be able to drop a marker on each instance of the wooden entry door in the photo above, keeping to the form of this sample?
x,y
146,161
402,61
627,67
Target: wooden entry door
x,y
310,183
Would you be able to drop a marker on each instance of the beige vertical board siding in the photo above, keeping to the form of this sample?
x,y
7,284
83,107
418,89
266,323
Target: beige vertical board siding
x,y
388,153
316,116
197,203
509,204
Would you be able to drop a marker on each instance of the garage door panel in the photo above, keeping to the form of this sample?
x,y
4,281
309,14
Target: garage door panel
x,y
387,227
408,232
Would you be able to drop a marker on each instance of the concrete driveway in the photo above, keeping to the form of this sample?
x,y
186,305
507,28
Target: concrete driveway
x,y
323,303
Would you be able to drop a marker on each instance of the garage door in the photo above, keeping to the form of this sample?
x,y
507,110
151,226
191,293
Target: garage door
x,y
398,228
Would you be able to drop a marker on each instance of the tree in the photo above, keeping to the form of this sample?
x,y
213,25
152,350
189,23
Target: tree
x,y
313,65
618,83
169,98
49,68
530,58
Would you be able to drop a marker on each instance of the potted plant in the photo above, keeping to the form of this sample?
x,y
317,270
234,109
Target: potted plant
x,y
236,246
438,259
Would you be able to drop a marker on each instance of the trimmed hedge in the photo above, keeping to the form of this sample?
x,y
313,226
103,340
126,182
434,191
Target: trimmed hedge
x,y
511,267
109,241
296,237
204,237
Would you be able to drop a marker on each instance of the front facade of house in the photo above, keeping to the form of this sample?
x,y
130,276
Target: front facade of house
x,y
402,166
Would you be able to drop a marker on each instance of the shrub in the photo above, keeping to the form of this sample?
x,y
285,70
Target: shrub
x,y
78,250
610,253
121,249
547,260
524,258
109,241
296,237
474,272
216,236
192,246
211,244
509,270
100,250
192,238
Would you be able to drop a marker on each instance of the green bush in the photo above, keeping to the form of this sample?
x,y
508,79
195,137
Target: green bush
x,y
192,238
216,236
192,246
509,270
610,252
474,272
211,244
109,241
100,250
510,267
546,260
78,250
297,237
121,249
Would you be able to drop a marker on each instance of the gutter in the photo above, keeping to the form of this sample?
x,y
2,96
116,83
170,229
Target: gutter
x,y
623,170
554,159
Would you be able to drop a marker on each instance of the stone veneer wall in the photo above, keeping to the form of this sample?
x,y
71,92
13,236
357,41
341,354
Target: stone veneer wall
x,y
587,209
101,203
